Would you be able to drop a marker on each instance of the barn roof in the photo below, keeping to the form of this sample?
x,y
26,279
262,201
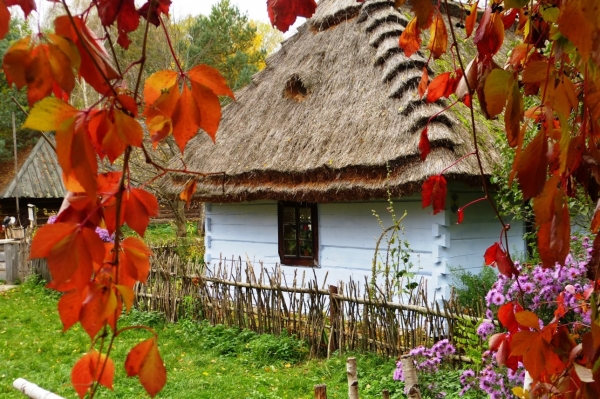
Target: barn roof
x,y
334,116
40,176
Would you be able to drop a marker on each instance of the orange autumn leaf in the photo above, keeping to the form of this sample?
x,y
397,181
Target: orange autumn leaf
x,y
438,87
144,361
71,251
190,188
26,5
44,67
438,36
184,111
410,39
123,131
471,18
496,89
423,83
134,262
92,53
554,238
539,357
99,304
531,166
87,371
423,10
140,206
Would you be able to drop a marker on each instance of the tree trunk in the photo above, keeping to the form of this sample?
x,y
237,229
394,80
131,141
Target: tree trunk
x,y
33,391
179,210
321,391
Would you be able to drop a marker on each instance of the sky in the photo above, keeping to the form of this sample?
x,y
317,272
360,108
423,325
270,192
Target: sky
x,y
256,9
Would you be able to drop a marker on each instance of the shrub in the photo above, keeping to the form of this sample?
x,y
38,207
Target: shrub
x,y
270,349
469,288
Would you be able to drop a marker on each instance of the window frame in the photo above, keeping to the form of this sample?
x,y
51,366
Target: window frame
x,y
314,217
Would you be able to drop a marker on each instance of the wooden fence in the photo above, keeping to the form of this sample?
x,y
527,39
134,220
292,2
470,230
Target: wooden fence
x,y
348,316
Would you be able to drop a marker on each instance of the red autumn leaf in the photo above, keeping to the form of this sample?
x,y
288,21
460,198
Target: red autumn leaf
x,y
87,371
71,251
424,146
434,193
134,262
460,215
471,18
145,362
187,194
124,12
123,131
4,20
26,5
410,39
186,117
496,257
438,36
283,13
159,7
595,225
423,83
513,116
100,302
532,165
509,18
94,55
554,238
140,206
561,309
437,87
489,35
575,26
69,306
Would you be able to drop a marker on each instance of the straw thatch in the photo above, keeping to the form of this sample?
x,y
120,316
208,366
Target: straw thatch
x,y
335,108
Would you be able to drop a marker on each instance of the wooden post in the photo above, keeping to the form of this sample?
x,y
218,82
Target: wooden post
x,y
352,378
334,310
385,394
321,391
33,391
411,380
11,252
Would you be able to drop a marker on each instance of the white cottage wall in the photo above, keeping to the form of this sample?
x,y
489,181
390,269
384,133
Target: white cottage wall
x,y
348,233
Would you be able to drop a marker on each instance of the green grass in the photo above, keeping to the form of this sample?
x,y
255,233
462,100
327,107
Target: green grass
x,y
202,361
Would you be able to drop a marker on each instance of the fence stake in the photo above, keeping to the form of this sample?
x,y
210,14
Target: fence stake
x,y
321,391
411,380
385,394
33,391
333,320
352,378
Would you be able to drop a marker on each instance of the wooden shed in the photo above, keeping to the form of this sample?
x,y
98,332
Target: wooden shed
x,y
38,182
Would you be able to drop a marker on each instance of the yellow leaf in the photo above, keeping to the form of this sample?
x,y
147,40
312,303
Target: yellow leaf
x,y
49,114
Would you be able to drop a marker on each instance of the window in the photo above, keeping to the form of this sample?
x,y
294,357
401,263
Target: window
x,y
298,238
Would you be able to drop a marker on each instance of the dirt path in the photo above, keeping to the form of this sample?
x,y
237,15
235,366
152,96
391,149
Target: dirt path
x,y
5,287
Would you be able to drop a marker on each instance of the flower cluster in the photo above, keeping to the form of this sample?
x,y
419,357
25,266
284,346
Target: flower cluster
x,y
539,288
102,233
491,379
427,360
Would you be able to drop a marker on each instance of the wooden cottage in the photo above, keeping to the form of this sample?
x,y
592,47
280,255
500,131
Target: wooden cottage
x,y
321,137
38,182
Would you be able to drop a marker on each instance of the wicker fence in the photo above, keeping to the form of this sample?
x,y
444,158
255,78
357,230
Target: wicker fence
x,y
346,316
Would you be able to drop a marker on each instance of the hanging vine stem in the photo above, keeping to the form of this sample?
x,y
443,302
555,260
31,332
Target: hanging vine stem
x,y
505,226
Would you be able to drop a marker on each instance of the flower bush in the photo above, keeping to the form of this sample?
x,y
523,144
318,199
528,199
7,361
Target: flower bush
x,y
543,291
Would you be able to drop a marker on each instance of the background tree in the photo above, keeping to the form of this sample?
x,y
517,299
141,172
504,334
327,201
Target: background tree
x,y
18,29
227,41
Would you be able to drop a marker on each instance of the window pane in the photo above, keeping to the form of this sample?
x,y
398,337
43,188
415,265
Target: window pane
x,y
305,232
289,215
306,248
289,231
289,248
305,215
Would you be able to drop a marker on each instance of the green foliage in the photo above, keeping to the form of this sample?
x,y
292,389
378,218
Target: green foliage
x,y
25,137
269,349
467,342
470,289
226,41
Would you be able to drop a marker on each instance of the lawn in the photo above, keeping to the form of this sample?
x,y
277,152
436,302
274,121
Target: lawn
x,y
202,361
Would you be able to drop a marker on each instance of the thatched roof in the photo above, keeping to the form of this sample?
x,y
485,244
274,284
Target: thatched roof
x,y
40,176
334,107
